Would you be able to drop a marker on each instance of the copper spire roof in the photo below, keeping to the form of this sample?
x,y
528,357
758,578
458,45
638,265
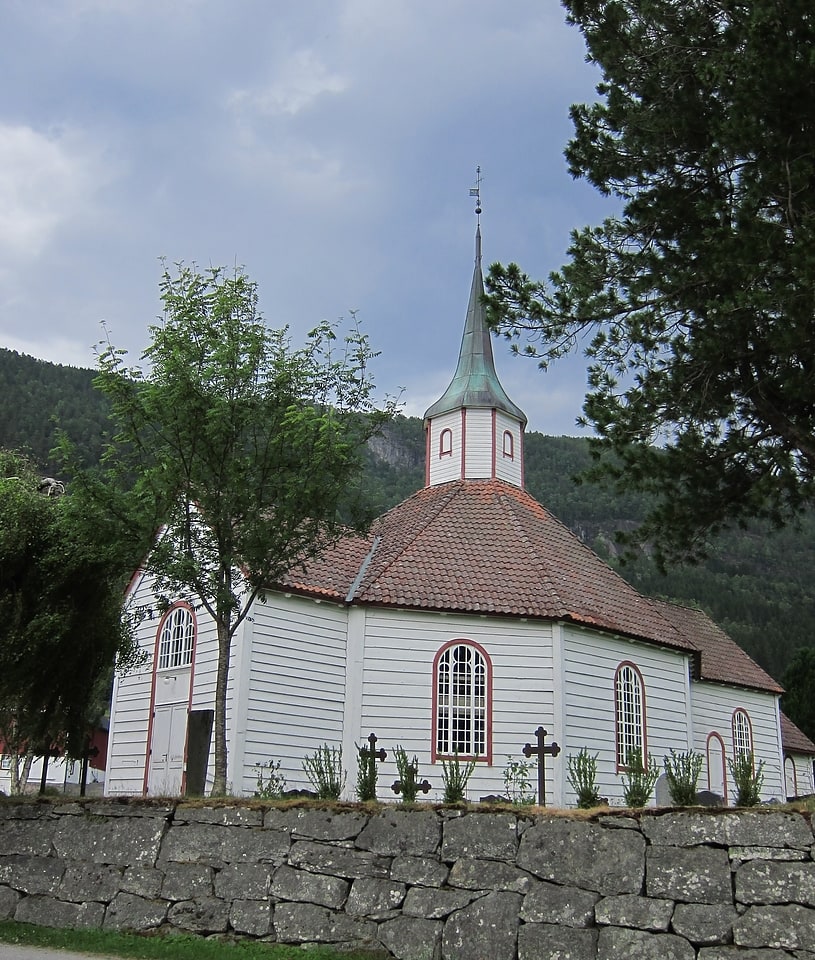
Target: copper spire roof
x,y
483,546
475,383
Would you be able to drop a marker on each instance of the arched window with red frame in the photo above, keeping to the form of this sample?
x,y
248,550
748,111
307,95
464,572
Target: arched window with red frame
x,y
462,702
176,638
509,445
446,443
629,713
742,733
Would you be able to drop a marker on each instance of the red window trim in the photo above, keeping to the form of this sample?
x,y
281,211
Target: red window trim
x,y
643,715
486,757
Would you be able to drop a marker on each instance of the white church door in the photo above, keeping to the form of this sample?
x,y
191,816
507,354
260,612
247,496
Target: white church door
x,y
167,745
716,766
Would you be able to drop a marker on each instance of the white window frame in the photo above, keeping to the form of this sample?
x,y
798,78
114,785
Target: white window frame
x,y
462,702
629,714
176,638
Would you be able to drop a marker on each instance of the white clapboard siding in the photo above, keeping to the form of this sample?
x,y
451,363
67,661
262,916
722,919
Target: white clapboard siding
x,y
447,467
713,706
295,689
589,665
397,699
478,445
508,468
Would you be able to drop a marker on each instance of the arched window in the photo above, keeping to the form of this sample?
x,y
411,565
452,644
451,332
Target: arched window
x,y
446,443
509,445
461,706
742,733
629,706
790,778
176,638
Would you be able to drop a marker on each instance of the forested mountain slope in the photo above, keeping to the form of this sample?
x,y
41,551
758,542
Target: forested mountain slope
x,y
759,585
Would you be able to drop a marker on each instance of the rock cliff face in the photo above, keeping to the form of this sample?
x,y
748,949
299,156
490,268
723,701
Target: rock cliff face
x,y
424,884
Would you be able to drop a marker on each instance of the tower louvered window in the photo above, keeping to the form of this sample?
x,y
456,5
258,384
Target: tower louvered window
x,y
176,639
630,713
462,701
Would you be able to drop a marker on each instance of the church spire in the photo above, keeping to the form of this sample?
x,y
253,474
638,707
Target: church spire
x,y
474,422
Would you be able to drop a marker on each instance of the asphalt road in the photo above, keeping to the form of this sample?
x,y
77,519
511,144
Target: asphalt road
x,y
10,951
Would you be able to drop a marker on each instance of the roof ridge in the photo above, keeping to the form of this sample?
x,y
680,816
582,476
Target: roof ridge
x,y
438,504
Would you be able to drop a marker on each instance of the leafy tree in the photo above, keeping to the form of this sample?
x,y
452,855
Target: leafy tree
x,y
799,686
61,626
695,301
244,447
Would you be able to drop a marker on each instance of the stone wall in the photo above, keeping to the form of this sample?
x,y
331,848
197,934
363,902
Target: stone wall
x,y
424,884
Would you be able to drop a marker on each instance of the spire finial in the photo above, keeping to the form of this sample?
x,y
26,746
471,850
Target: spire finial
x,y
476,192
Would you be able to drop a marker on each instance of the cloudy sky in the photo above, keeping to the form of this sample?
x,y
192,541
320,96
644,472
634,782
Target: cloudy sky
x,y
328,146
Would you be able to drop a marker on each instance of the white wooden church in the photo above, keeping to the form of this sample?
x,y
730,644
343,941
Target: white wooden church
x,y
468,618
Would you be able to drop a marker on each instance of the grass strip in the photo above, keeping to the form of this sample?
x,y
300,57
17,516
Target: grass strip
x,y
162,947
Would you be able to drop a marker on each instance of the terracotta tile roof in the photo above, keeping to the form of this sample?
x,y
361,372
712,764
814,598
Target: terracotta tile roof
x,y
794,740
721,659
484,547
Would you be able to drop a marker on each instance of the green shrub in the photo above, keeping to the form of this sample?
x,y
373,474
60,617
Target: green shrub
x,y
748,778
324,771
367,774
517,783
639,780
682,771
582,778
455,776
408,775
270,782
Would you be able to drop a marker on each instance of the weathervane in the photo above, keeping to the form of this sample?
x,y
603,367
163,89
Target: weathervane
x,y
476,192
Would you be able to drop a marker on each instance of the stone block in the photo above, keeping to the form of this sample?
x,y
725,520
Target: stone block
x,y
90,881
306,824
27,838
142,881
301,886
537,941
401,833
8,902
338,861
580,854
116,841
409,938
419,871
767,828
251,917
776,882
631,910
471,874
245,881
492,836
307,923
130,912
186,881
743,854
200,915
375,899
487,928
552,903
48,912
615,943
217,845
736,953
223,816
432,904
32,875
704,924
685,829
693,875
790,927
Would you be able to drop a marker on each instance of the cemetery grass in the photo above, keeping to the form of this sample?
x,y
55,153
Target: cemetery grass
x,y
131,946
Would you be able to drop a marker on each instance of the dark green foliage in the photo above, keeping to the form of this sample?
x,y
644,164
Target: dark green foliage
x,y
798,701
748,778
325,773
455,775
60,612
694,299
638,779
367,774
682,772
408,775
582,778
